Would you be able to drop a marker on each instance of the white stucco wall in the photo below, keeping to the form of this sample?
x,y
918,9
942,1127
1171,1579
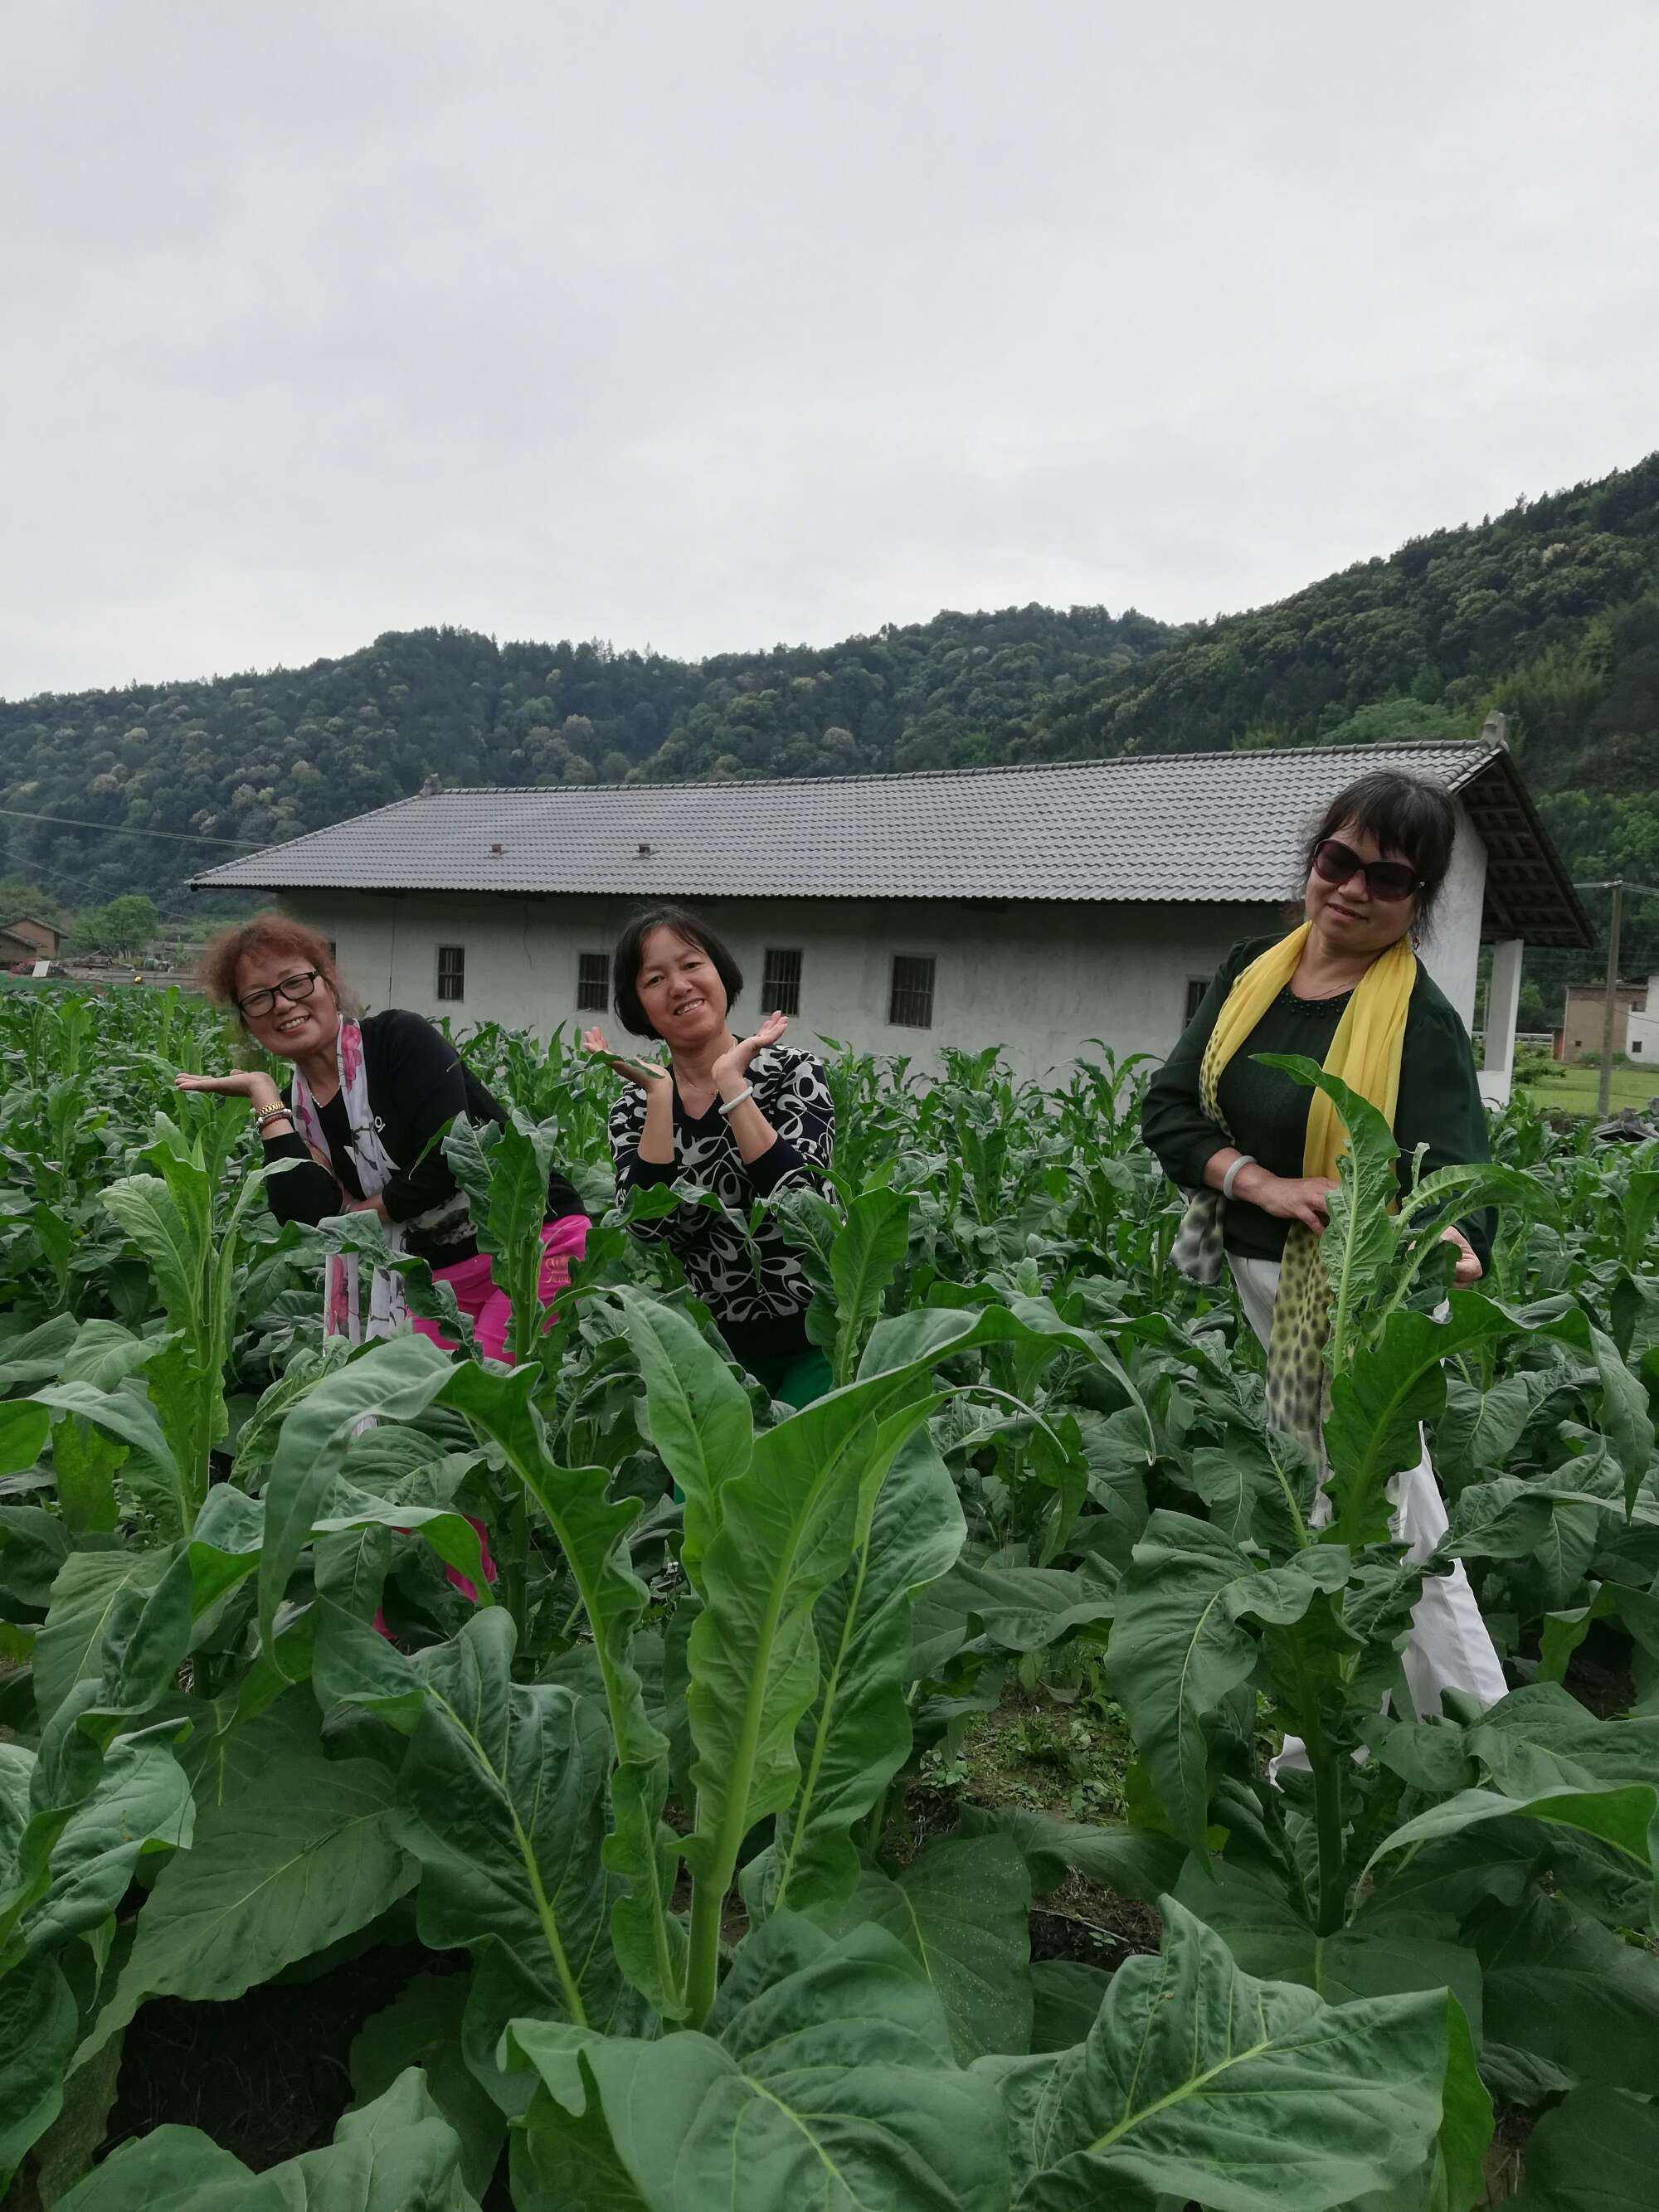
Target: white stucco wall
x,y
1451,950
1039,980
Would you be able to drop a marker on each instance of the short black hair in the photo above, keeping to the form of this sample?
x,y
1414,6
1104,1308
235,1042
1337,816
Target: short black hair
x,y
1406,814
625,960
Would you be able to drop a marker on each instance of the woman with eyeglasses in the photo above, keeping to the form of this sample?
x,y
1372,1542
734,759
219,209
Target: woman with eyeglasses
x,y
1258,1150
363,1117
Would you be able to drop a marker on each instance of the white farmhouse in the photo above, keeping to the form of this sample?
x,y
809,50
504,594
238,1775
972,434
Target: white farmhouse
x,y
1642,1028
1035,908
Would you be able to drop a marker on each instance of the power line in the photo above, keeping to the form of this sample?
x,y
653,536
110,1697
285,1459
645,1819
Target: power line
x,y
120,830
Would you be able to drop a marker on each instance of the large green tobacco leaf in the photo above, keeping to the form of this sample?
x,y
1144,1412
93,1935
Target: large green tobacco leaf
x,y
193,1258
962,1910
84,1463
1199,2081
593,1531
38,2022
1597,2151
501,1801
302,1857
1250,1909
1509,1518
83,1600
1541,1738
1018,1608
75,1819
1135,1861
141,1802
422,2027
1626,1817
698,1416
397,1381
1567,1991
1180,1646
503,1169
868,1249
39,1355
1378,1401
23,1426
125,1413
857,1733
826,2079
397,2155
34,1545
1480,1428
1358,1247
787,1530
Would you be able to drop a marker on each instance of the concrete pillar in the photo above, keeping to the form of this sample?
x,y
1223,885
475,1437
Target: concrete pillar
x,y
1502,1001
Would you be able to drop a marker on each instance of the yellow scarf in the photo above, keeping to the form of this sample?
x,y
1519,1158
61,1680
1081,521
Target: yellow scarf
x,y
1366,1054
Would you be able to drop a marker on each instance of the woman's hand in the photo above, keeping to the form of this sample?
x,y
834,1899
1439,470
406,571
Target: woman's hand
x,y
1288,1197
250,1083
731,1067
375,1206
647,1073
1468,1268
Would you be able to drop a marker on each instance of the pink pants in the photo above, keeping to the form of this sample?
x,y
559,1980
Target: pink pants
x,y
490,1314
486,1307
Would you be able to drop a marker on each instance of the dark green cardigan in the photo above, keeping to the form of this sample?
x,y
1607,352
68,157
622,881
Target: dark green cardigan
x,y
1266,1112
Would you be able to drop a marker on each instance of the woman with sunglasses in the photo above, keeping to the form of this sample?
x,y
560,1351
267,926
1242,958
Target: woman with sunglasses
x,y
363,1117
1258,1150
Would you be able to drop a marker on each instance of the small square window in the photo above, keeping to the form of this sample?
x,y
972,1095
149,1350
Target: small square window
x,y
452,971
1196,987
781,992
592,982
910,1003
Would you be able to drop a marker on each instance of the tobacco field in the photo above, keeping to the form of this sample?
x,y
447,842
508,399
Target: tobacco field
x,y
862,1808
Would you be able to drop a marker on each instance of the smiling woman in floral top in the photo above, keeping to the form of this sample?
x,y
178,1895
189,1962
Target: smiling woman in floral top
x,y
744,1117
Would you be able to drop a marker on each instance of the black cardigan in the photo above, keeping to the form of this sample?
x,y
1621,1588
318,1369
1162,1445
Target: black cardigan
x,y
1439,1102
418,1083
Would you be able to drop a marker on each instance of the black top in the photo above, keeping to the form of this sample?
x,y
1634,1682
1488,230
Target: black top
x,y
1266,1111
755,1289
418,1083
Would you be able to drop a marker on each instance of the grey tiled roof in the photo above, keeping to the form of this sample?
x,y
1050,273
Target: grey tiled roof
x,y
1176,826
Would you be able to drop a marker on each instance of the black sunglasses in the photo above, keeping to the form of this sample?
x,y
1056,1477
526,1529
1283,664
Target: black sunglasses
x,y
1384,879
293,989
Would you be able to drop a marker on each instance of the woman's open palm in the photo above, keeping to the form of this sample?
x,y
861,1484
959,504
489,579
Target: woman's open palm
x,y
735,1062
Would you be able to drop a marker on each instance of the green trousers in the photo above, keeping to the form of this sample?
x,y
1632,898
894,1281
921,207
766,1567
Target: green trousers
x,y
796,1378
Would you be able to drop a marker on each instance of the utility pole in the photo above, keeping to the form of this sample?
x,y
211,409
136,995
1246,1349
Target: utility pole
x,y
1604,1094
1618,885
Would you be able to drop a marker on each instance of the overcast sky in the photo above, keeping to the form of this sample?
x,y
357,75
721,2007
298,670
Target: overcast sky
x,y
708,326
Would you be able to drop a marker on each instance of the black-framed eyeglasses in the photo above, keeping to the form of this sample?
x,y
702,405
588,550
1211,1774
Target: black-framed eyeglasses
x,y
1389,880
294,988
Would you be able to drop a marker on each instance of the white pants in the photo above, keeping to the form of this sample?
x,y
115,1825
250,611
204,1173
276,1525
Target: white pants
x,y
1449,1648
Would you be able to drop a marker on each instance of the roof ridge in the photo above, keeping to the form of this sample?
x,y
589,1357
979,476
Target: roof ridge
x,y
946,775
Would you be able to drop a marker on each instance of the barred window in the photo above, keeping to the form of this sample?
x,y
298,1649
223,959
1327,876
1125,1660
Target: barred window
x,y
593,981
910,1003
1196,987
781,992
452,971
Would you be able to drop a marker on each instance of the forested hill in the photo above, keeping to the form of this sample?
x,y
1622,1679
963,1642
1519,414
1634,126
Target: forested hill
x,y
264,756
1550,612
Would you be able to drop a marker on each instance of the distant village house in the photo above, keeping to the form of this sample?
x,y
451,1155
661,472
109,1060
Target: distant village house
x,y
39,939
1037,908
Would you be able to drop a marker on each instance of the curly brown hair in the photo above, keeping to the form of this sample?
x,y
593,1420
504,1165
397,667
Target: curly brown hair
x,y
266,933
